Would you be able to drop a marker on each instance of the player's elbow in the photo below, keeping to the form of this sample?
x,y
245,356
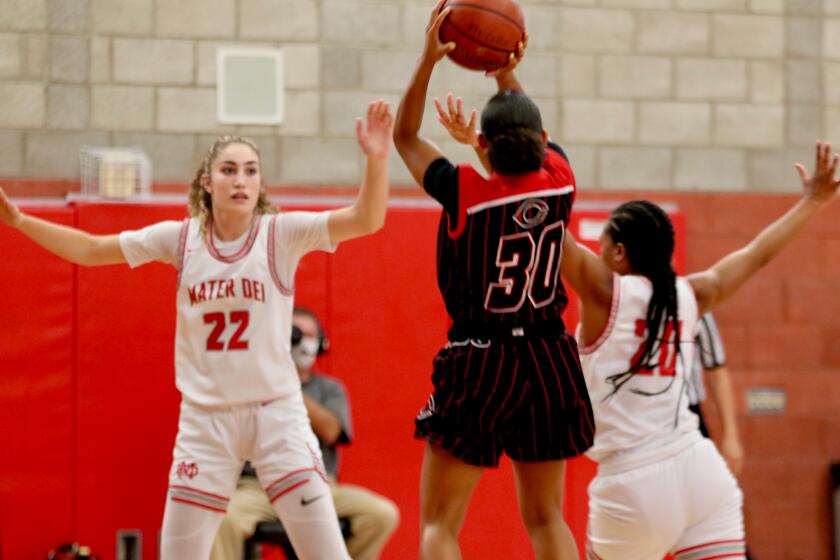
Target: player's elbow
x,y
404,138
330,435
369,222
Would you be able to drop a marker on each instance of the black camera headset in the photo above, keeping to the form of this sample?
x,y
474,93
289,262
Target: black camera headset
x,y
297,334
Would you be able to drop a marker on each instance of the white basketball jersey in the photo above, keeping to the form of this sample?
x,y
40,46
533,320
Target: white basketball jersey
x,y
650,411
233,334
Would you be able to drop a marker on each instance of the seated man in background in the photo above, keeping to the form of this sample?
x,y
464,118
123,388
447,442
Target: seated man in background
x,y
373,518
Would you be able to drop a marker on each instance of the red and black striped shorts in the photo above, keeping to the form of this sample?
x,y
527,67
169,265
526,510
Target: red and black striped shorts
x,y
522,396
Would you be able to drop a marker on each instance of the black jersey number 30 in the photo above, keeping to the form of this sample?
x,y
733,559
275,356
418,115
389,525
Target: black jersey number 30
x,y
526,268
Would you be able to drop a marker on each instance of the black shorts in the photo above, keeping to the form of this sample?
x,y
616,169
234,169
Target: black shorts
x,y
522,396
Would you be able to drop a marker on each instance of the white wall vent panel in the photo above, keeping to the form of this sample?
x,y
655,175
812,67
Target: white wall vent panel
x,y
249,87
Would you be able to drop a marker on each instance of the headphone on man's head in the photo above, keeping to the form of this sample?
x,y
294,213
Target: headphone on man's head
x,y
297,334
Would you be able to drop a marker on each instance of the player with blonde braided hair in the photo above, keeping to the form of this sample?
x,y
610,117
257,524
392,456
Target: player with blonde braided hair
x,y
236,259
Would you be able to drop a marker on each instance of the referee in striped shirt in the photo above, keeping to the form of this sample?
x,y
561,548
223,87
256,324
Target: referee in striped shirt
x,y
710,363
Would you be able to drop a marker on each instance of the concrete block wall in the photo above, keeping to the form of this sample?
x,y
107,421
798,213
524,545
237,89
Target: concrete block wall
x,y
661,94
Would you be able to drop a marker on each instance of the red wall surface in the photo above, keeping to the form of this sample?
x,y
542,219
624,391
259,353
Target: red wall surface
x,y
90,409
88,406
37,395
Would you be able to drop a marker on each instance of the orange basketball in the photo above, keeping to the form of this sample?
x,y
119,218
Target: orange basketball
x,y
485,32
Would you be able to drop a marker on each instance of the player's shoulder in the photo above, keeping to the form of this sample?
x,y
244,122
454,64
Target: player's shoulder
x,y
554,148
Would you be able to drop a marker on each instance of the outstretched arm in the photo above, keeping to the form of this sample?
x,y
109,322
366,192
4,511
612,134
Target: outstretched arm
x,y
417,152
367,214
74,245
723,279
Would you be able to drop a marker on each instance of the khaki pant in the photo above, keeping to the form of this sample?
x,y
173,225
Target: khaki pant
x,y
373,518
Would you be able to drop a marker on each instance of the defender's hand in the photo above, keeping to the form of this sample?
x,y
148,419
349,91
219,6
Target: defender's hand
x,y
9,213
374,135
452,118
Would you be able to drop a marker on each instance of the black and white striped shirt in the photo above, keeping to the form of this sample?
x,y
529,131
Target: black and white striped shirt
x,y
709,355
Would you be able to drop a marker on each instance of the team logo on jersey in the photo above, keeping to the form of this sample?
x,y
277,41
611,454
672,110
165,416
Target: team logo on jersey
x,y
187,470
531,213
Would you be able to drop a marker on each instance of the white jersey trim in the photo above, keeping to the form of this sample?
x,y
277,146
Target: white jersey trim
x,y
610,325
523,196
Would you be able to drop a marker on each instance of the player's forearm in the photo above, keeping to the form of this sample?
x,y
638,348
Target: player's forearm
x,y
367,214
325,424
372,202
410,113
737,267
76,246
508,81
720,389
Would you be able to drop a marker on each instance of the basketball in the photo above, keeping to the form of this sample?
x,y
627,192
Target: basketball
x,y
485,32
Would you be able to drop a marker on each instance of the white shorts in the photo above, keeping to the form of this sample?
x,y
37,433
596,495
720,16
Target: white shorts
x,y
213,444
688,505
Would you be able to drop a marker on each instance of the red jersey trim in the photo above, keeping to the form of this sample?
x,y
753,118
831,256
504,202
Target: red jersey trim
x,y
610,324
198,492
273,486
197,504
272,228
243,251
734,543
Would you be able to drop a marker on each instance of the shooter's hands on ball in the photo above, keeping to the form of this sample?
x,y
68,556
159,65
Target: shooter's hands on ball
x,y
374,136
514,59
822,186
452,118
435,49
9,213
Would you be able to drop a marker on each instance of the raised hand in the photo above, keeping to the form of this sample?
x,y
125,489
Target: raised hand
x,y
455,123
435,49
374,135
9,213
822,185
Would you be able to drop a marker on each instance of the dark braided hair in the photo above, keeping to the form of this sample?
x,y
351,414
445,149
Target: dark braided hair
x,y
512,125
648,238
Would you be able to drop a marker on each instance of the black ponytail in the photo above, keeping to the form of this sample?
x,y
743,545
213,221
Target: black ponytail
x,y
648,238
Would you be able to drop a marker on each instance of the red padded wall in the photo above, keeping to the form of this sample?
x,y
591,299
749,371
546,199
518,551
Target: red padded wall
x,y
128,403
36,395
379,302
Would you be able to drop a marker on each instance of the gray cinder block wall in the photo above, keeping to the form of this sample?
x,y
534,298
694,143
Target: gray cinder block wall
x,y
650,94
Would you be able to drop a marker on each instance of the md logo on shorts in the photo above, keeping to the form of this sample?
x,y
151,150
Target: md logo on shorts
x,y
187,470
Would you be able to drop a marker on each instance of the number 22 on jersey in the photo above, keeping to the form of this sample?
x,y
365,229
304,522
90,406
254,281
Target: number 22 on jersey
x,y
219,322
526,268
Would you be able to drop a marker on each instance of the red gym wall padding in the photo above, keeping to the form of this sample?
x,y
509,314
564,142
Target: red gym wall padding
x,y
89,408
37,393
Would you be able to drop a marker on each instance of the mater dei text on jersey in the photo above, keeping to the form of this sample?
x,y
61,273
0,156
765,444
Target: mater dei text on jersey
x,y
230,288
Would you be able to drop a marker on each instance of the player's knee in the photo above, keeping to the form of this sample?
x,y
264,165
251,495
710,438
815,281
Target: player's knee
x,y
540,513
385,515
